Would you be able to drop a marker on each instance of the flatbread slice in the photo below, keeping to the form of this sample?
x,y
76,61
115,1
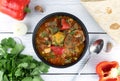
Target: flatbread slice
x,y
107,15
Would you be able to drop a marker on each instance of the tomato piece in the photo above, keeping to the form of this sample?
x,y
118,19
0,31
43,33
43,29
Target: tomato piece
x,y
57,50
64,24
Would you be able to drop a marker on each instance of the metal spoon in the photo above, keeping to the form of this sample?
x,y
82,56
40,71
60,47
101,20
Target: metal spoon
x,y
95,48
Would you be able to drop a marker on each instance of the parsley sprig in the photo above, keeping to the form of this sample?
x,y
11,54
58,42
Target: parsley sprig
x,y
15,66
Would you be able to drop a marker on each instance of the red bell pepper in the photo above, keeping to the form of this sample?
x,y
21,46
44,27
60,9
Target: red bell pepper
x,y
108,71
64,24
57,50
14,8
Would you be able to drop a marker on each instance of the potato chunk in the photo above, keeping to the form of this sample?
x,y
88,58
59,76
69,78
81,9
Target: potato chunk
x,y
47,50
58,38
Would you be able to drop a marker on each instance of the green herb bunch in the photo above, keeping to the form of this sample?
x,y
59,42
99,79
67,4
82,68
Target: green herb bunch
x,y
15,66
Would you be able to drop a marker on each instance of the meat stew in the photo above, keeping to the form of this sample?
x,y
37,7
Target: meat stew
x,y
60,40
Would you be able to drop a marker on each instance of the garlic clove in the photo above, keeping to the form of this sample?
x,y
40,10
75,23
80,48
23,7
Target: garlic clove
x,y
109,47
38,8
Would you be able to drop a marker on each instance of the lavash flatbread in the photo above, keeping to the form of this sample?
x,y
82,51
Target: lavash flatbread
x,y
107,15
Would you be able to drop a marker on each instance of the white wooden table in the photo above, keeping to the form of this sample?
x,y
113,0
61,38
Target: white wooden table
x,y
70,6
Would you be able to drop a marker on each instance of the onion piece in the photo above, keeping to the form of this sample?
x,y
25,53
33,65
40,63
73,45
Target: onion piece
x,y
20,29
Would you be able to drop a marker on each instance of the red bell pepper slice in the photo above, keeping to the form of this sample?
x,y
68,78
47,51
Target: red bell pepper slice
x,y
64,24
14,8
57,50
104,70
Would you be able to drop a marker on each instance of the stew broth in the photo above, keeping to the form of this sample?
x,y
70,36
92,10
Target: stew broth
x,y
60,40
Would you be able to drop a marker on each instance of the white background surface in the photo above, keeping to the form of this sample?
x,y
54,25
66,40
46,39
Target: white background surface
x,y
70,6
